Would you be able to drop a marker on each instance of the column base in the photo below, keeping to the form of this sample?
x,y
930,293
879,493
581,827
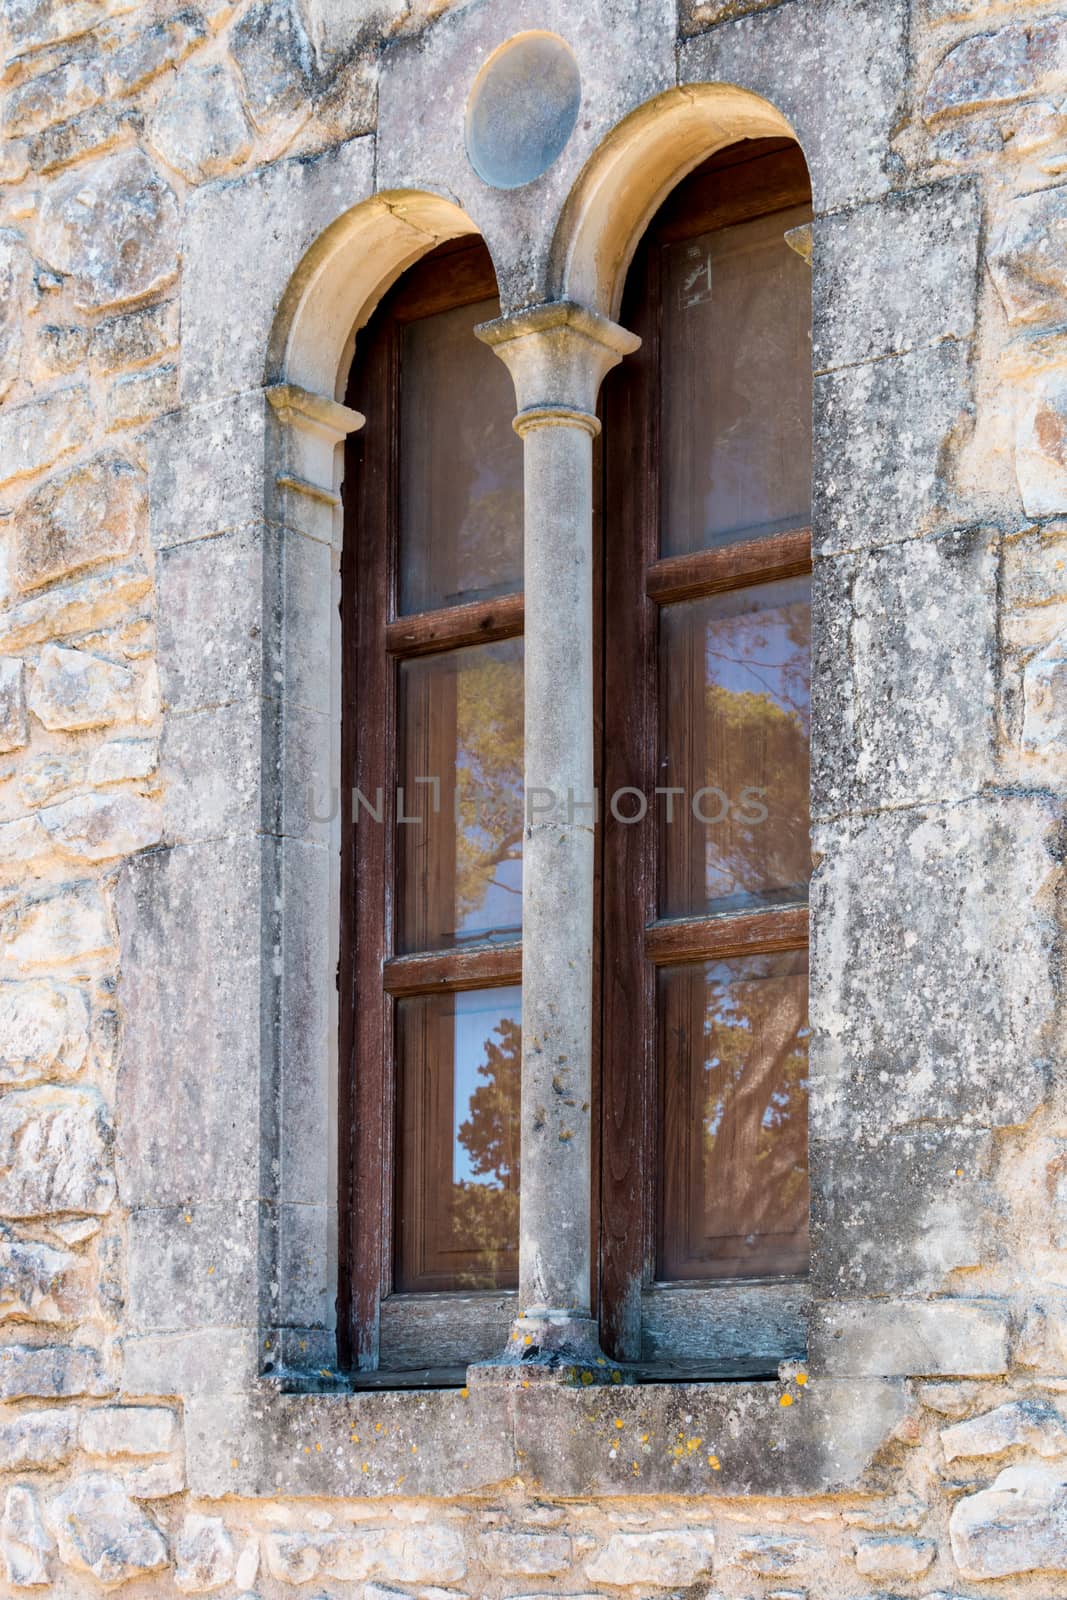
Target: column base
x,y
551,1347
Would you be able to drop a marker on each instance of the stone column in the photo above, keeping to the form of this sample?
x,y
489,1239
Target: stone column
x,y
557,356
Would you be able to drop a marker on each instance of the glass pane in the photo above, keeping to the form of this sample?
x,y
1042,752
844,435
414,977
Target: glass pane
x,y
460,465
458,1140
736,385
735,681
733,1043
460,855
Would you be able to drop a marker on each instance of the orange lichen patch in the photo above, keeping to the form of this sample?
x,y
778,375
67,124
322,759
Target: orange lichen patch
x,y
528,1339
619,1422
634,1468
802,1379
786,1400
210,1270
714,1463
587,1377
188,1218
233,1464
616,1377
464,1394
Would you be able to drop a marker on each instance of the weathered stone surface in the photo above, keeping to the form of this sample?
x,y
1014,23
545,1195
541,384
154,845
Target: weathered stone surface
x,y
883,432
866,1339
140,396
36,434
272,51
96,827
205,469
210,1360
679,1556
897,274
24,1545
42,778
100,1530
32,24
1017,61
774,1555
1041,445
40,1284
406,1554
73,689
54,1152
12,706
90,602
517,1554
37,1439
155,1480
44,1031
204,1554
152,51
1018,1525
193,1266
199,127
123,759
93,132
946,903
121,199
1045,699
61,348
16,269
50,1372
135,337
129,1431
1027,258
896,1214
894,1559
57,928
90,513
53,96
1033,1423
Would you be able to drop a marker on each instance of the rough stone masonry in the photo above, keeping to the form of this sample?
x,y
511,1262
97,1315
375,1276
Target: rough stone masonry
x,y
141,140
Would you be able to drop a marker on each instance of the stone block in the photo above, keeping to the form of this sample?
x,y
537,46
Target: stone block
x,y
123,761
13,733
16,271
91,133
205,469
515,1553
1041,445
1022,60
896,274
40,1284
62,348
883,433
154,1480
124,200
851,55
193,1266
33,24
1018,1525
949,909
1045,700
38,1440
140,396
204,1555
129,1431
100,1530
90,602
50,1372
273,53
894,1559
44,1031
246,631
199,127
897,1214
71,689
34,435
67,925
54,1152
304,1279
154,50
242,243
175,1149
134,338
209,1360
97,827
308,953
891,1338
1027,258
92,512
53,96
212,762
1035,1424
677,1556
775,1555
24,1544
904,695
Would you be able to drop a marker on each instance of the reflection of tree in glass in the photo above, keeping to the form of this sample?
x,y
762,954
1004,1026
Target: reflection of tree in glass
x,y
755,1122
486,1209
489,778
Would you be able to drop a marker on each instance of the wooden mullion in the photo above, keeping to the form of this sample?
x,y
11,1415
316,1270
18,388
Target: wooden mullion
x,y
483,966
731,566
685,939
455,627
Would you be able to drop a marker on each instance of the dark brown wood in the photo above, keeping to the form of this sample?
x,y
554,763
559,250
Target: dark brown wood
x,y
718,196
455,627
731,566
718,938
456,273
481,966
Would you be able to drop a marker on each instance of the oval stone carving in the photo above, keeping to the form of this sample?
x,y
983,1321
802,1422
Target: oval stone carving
x,y
522,109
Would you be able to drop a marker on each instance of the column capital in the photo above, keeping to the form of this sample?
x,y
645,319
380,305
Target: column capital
x,y
558,354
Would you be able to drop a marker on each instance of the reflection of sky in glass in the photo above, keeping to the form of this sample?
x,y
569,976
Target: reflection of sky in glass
x,y
757,642
476,1015
498,909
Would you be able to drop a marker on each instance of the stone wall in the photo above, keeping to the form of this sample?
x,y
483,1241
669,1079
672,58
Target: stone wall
x,y
941,1175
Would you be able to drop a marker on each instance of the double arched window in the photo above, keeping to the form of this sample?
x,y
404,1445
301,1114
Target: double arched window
x,y
701,626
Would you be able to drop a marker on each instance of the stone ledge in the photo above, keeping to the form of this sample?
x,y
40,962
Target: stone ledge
x,y
721,1439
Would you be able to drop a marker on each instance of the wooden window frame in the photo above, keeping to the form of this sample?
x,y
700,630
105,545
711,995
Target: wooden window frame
x,y
748,181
